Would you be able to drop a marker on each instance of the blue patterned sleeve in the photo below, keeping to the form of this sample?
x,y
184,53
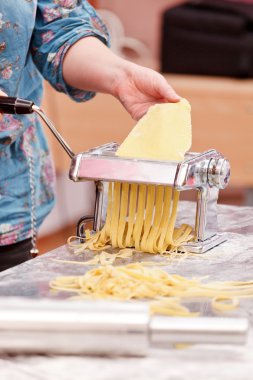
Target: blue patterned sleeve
x,y
59,24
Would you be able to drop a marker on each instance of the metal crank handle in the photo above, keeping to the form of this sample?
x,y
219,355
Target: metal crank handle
x,y
17,106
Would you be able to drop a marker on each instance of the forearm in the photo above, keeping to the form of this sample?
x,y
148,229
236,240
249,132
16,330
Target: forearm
x,y
89,65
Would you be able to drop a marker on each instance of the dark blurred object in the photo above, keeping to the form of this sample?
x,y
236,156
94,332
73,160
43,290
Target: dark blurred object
x,y
212,37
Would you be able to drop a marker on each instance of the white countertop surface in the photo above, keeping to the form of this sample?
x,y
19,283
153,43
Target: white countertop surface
x,y
232,260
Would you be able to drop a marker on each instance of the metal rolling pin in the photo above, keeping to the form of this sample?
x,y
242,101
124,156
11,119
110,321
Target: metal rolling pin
x,y
104,328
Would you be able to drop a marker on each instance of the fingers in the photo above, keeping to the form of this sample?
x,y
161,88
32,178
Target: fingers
x,y
152,83
165,90
141,88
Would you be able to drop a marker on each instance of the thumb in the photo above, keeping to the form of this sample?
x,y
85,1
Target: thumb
x,y
163,89
167,91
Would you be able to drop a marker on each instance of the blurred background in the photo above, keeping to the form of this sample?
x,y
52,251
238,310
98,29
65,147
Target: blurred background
x,y
205,50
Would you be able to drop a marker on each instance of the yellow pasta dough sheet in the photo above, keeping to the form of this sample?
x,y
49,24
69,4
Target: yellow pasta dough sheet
x,y
164,133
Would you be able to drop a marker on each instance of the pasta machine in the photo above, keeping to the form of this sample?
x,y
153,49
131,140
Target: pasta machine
x,y
206,173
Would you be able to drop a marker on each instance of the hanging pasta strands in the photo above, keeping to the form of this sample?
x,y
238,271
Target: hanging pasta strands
x,y
141,217
137,281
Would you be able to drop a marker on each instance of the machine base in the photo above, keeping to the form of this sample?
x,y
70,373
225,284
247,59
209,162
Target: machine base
x,y
192,247
206,245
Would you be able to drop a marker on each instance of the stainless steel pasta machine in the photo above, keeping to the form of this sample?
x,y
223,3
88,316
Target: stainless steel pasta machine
x,y
206,173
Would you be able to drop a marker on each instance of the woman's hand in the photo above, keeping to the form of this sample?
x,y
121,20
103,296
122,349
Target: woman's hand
x,y
2,94
138,88
90,65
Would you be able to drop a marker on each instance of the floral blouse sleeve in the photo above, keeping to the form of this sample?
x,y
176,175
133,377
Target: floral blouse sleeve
x,y
59,24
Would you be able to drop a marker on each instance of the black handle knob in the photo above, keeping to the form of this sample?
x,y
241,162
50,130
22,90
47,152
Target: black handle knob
x,y
15,105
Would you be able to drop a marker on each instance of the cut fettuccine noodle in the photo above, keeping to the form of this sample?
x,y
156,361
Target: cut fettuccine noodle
x,y
103,258
137,281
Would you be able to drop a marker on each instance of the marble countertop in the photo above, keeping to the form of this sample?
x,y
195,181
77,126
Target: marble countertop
x,y
232,260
